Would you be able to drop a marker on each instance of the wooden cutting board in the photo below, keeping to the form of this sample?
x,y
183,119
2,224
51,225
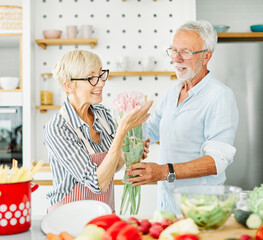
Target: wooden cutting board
x,y
231,229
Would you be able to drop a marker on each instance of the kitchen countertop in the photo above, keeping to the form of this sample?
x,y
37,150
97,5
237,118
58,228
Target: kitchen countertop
x,y
34,233
231,229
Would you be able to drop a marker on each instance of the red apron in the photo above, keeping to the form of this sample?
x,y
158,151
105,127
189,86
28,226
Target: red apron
x,y
80,192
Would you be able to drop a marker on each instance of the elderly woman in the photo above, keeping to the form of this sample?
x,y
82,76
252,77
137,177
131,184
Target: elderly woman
x,y
84,148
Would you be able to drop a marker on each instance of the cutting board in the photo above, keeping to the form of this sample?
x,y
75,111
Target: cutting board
x,y
231,229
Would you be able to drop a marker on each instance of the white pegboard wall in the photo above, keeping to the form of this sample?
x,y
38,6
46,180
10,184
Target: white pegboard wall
x,y
134,28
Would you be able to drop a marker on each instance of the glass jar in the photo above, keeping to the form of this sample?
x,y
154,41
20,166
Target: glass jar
x,y
46,93
243,202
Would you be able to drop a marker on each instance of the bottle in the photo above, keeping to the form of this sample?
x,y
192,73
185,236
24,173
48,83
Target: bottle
x,y
46,93
243,202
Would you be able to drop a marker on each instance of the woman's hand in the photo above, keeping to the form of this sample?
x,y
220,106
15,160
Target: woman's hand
x,y
135,118
146,149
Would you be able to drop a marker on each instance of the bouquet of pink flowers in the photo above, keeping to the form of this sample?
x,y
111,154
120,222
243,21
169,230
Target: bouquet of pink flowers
x,y
133,147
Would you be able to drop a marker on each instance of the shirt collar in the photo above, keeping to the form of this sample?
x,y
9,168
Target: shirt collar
x,y
74,118
199,86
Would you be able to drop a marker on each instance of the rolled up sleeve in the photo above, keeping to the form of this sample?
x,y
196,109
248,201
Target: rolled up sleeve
x,y
221,152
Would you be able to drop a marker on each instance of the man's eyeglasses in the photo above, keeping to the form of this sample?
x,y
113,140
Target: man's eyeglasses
x,y
185,55
95,79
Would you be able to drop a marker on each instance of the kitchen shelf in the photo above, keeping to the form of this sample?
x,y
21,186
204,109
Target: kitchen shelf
x,y
126,73
67,41
151,73
11,90
240,37
44,108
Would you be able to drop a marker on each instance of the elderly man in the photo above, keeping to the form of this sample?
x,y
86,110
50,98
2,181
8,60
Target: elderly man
x,y
195,122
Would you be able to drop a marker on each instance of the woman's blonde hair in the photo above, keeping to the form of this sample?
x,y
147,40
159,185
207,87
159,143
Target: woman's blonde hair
x,y
75,64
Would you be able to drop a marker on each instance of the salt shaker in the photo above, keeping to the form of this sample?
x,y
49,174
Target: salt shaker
x,y
243,202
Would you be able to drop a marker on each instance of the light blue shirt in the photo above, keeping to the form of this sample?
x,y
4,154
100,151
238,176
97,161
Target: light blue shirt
x,y
203,124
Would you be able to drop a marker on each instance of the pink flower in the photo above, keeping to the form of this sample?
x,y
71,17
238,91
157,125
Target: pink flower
x,y
127,102
118,105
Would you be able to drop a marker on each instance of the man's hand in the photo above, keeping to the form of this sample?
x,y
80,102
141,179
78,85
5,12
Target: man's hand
x,y
148,173
146,148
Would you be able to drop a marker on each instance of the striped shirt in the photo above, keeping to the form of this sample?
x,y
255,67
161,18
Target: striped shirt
x,y
203,124
68,157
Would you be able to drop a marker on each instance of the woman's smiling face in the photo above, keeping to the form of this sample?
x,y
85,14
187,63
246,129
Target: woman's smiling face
x,y
85,92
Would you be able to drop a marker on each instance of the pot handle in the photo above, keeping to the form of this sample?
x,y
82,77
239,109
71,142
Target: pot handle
x,y
34,187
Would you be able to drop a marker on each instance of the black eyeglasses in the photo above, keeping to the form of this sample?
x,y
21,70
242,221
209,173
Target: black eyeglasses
x,y
95,79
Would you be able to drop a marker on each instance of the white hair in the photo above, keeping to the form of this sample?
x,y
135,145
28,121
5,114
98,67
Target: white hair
x,y
205,30
75,64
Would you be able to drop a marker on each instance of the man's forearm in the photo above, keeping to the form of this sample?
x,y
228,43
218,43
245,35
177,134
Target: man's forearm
x,y
199,167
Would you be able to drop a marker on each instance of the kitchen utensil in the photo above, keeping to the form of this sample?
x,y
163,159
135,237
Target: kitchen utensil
x,y
86,31
9,83
72,31
15,207
52,33
221,28
257,28
72,217
208,205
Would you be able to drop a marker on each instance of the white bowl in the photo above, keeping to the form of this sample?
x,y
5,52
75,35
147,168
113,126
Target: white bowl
x,y
51,34
72,217
221,28
9,83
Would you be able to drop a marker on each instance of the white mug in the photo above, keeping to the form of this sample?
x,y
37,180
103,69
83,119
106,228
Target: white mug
x,y
71,31
122,63
86,31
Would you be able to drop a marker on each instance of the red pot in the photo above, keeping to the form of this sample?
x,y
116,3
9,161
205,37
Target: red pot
x,y
15,207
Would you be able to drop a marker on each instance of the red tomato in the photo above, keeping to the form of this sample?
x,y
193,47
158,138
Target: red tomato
x,y
259,233
187,237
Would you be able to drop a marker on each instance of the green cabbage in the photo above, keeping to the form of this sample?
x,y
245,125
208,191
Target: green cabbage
x,y
256,200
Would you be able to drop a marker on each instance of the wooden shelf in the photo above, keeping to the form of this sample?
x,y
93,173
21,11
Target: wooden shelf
x,y
44,108
11,90
240,37
120,74
49,75
67,41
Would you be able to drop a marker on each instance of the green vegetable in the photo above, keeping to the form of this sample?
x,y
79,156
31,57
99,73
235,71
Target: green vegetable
x,y
207,211
254,221
241,216
158,216
133,147
256,200
248,219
